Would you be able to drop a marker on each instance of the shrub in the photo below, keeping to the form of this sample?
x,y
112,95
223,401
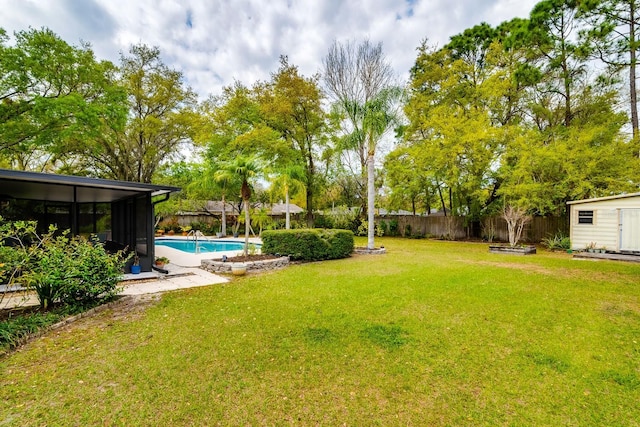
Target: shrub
x,y
15,329
344,218
73,271
383,226
308,244
393,227
559,242
323,221
363,229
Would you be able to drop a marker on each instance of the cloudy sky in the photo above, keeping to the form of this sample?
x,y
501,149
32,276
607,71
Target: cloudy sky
x,y
214,42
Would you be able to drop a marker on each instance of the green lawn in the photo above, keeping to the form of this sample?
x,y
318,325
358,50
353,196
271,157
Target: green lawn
x,y
432,333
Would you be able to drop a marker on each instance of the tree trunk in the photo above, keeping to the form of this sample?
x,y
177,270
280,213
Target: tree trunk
x,y
287,211
310,209
247,225
371,194
632,71
223,220
310,189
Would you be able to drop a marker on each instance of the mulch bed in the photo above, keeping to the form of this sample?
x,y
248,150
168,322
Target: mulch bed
x,y
250,258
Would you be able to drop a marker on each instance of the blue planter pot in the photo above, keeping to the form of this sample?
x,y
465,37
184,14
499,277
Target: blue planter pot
x,y
135,269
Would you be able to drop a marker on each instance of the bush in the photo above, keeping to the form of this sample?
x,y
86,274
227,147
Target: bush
x,y
323,221
363,229
559,242
343,218
308,244
73,271
15,329
393,227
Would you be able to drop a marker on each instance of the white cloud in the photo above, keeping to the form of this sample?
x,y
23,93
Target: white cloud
x,y
216,42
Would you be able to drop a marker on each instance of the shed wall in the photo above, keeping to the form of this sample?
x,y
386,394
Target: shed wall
x,y
605,230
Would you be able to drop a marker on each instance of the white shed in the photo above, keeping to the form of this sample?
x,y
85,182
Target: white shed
x,y
606,222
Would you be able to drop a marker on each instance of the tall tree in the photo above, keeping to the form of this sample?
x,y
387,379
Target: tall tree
x,y
53,95
457,131
550,36
614,30
291,104
161,118
361,83
289,179
246,169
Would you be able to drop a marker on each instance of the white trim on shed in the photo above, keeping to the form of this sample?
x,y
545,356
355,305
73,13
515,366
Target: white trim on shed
x,y
611,222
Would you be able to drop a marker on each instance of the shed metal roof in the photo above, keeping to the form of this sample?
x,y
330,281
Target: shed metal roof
x,y
601,199
67,188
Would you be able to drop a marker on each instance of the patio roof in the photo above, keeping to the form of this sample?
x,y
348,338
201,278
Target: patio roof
x,y
66,188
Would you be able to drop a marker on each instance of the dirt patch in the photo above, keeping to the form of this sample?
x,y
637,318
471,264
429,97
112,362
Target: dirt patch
x,y
556,272
125,308
524,267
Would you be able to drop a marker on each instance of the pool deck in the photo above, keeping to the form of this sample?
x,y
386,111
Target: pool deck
x,y
185,259
184,272
135,284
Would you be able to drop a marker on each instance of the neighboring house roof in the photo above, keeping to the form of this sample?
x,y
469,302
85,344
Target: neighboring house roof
x,y
281,208
67,188
600,199
383,211
215,206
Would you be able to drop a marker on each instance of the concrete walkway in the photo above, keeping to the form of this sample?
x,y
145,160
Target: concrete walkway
x,y
135,284
178,278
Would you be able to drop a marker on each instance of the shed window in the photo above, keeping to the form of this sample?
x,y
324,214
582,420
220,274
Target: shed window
x,y
585,217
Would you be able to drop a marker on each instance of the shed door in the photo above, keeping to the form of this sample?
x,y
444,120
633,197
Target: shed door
x,y
630,229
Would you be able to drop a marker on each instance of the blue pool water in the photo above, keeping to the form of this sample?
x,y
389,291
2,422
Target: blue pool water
x,y
201,246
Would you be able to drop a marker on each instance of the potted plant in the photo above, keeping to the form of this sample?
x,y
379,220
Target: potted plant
x,y
591,247
185,230
135,266
238,269
160,261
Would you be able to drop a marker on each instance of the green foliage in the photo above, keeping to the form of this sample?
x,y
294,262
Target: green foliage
x,y
363,229
557,242
323,221
17,328
162,116
54,95
73,271
209,228
343,218
308,244
19,324
15,251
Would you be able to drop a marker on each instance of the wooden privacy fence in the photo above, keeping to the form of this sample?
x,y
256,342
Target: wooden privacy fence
x,y
455,228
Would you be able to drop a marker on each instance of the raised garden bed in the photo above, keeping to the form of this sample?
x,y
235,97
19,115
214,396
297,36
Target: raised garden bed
x,y
259,263
515,250
366,251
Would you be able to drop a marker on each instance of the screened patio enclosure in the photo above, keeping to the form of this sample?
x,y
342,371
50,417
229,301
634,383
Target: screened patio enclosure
x,y
120,213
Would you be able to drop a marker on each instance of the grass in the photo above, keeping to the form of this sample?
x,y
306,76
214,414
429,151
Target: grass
x,y
432,333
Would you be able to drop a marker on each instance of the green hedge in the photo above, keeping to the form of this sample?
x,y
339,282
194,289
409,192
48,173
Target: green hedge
x,y
308,244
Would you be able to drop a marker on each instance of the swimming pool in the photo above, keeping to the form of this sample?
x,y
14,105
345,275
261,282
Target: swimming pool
x,y
201,246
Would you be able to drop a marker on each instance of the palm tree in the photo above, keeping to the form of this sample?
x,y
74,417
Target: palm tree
x,y
378,116
245,168
289,179
212,180
224,179
375,117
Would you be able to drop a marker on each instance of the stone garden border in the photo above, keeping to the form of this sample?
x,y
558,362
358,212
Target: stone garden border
x,y
217,266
